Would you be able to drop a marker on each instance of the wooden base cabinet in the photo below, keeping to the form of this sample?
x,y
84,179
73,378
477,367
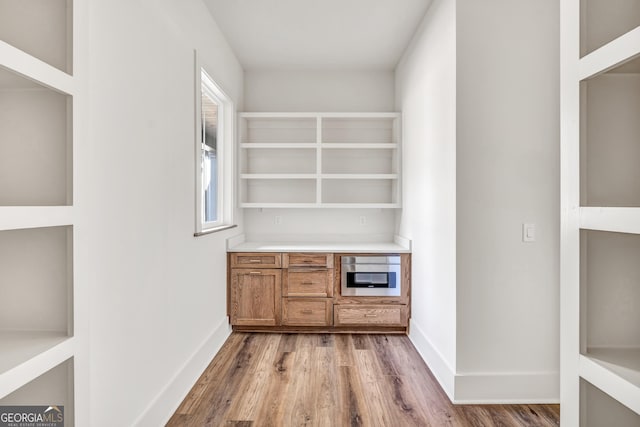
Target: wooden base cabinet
x,y
300,292
255,296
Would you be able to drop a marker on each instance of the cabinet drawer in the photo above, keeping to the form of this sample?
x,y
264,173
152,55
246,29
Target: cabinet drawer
x,y
308,283
308,260
383,315
306,311
255,260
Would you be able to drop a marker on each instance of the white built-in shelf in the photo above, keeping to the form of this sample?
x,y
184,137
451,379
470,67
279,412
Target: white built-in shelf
x,y
21,346
359,145
288,204
276,145
614,54
22,217
351,204
600,246
38,90
616,372
621,220
27,355
366,176
319,160
278,176
19,62
324,205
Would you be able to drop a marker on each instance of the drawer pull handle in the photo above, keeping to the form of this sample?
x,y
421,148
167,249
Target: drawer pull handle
x,y
307,283
307,311
370,315
255,272
307,260
255,261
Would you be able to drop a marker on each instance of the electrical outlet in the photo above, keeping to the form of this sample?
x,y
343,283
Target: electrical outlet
x,y
363,220
277,220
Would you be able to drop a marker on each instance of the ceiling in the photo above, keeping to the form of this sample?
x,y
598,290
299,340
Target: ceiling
x,y
318,34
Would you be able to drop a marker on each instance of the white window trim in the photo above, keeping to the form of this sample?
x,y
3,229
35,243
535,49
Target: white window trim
x,y
226,152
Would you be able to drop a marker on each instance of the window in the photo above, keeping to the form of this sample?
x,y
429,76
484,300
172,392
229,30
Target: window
x,y
214,156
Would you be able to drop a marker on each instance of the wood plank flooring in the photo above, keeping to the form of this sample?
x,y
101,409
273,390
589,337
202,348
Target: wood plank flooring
x,y
333,380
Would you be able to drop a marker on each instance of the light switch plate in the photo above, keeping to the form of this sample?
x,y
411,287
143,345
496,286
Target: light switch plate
x,y
528,233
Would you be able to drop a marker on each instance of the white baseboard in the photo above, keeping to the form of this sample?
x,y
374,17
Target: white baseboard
x,y
168,400
434,360
486,388
516,387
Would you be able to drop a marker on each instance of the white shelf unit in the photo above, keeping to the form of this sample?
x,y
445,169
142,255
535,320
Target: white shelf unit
x,y
320,160
38,127
600,246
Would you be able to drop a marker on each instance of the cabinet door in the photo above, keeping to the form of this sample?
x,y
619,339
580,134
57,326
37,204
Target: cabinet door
x,y
255,297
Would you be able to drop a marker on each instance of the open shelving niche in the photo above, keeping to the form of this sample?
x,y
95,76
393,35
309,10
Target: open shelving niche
x,y
600,296
37,128
610,318
53,388
321,160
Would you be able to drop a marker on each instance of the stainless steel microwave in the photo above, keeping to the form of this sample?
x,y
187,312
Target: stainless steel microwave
x,y
371,275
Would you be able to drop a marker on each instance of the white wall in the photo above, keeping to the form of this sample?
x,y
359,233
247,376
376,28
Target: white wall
x,y
426,94
507,174
325,90
157,293
478,89
320,225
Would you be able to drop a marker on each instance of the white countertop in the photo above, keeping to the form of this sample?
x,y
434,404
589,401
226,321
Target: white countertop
x,y
400,246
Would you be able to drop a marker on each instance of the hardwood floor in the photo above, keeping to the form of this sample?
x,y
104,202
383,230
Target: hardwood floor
x,y
333,380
